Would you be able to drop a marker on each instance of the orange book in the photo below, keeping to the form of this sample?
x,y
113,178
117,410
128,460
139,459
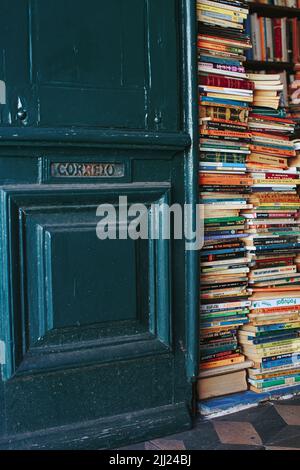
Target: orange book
x,y
261,149
271,310
266,197
245,135
212,45
225,180
225,362
231,43
262,38
268,159
260,166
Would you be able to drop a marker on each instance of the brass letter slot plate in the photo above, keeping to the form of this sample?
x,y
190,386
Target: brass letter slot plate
x,y
84,169
87,170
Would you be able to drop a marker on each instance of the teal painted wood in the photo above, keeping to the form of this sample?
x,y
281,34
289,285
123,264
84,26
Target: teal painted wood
x,y
127,57
98,335
74,137
191,120
105,433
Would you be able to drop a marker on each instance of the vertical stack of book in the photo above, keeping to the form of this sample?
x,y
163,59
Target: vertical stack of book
x,y
296,163
225,95
271,339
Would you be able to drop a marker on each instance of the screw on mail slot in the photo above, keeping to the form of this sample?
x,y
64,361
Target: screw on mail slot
x,y
87,170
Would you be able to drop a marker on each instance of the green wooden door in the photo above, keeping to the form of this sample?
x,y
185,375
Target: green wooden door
x,y
98,337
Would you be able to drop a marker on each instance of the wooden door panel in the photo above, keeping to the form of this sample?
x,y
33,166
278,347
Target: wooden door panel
x,y
88,64
79,292
92,63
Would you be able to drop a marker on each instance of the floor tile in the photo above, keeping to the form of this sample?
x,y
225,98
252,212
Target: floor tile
x,y
268,423
290,414
233,432
202,437
287,437
270,426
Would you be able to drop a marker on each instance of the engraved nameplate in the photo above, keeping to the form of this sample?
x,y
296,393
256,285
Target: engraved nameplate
x,y
87,170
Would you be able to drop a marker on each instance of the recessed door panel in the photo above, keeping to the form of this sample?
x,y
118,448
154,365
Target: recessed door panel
x,y
79,292
92,280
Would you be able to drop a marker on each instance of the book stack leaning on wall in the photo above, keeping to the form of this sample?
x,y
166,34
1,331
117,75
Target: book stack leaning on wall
x,y
225,95
273,39
271,339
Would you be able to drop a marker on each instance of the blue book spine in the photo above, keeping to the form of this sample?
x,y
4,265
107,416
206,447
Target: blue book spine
x,y
217,237
277,246
281,362
249,52
275,327
219,60
222,232
225,165
209,99
211,168
273,338
224,323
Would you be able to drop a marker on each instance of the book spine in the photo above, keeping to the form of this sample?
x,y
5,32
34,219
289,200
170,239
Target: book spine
x,y
218,66
277,39
262,38
248,31
220,81
295,39
219,47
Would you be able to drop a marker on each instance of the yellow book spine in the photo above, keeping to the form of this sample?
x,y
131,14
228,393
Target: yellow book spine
x,y
235,14
224,23
277,182
232,97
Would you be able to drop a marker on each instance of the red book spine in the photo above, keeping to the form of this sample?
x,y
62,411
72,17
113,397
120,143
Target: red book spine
x,y
279,176
277,39
295,35
226,82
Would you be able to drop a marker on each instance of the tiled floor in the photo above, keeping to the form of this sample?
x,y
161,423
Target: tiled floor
x,y
269,426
